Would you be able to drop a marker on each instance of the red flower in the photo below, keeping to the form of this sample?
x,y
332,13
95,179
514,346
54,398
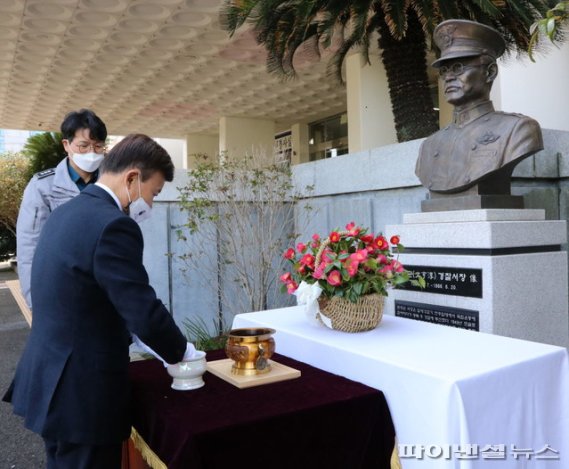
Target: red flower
x,y
354,232
291,287
387,271
327,255
286,277
319,272
382,259
397,266
289,254
359,256
334,278
352,263
381,243
352,267
307,259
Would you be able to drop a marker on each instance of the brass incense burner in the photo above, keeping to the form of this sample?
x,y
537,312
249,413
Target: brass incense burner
x,y
250,349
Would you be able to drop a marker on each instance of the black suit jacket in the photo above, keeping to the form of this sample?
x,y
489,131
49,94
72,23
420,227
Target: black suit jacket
x,y
89,290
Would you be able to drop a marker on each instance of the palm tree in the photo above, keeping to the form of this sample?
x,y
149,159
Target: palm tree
x,y
552,27
45,151
404,29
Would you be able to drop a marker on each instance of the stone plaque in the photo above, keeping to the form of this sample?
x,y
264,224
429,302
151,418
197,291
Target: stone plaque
x,y
454,317
456,281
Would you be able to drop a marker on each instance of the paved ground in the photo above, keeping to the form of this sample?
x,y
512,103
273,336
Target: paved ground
x,y
19,448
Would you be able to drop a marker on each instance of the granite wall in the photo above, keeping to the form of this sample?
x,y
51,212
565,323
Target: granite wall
x,y
373,188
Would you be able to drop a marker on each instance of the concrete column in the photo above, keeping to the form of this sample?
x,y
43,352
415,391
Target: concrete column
x,y
240,136
370,118
300,149
538,90
201,144
176,148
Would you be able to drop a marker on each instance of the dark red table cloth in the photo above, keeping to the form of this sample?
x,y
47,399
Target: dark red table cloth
x,y
319,420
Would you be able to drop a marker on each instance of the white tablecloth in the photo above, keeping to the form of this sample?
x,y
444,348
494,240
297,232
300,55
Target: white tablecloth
x,y
445,387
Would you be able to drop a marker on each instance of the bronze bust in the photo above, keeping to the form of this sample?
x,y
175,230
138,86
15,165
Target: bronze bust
x,y
469,163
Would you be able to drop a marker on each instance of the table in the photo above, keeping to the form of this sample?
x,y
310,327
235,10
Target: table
x,y
446,387
317,420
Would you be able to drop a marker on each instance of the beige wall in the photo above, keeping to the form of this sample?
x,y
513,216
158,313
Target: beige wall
x,y
176,148
539,90
370,118
201,144
240,136
300,149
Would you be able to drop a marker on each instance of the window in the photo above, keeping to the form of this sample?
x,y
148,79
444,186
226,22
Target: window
x,y
328,137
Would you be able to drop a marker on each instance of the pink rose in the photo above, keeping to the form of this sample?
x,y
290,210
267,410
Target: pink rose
x,y
397,266
289,254
395,240
319,272
291,287
350,226
382,259
334,237
307,259
286,277
352,267
387,271
360,255
334,278
300,247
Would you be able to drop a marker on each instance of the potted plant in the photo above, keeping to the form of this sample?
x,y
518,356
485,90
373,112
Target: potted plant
x,y
344,277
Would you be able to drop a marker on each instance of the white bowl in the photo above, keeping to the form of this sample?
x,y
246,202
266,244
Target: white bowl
x,y
188,374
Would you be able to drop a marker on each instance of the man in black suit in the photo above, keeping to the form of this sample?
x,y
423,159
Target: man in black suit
x,y
90,291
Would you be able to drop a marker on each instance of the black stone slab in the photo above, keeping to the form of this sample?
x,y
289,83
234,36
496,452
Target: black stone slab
x,y
456,281
436,314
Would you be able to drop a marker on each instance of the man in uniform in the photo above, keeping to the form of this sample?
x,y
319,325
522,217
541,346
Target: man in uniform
x,y
84,136
476,154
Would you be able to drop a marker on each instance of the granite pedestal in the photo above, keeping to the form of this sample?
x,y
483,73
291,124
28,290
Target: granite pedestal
x,y
500,271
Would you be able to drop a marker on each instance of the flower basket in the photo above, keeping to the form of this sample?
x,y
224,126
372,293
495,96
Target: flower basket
x,y
342,279
364,315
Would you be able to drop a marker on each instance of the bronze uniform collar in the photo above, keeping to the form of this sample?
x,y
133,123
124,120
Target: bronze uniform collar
x,y
466,116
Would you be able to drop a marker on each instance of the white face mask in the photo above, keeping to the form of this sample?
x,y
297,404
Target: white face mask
x,y
88,162
138,210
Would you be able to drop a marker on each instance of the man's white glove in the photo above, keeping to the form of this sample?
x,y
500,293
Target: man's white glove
x,y
190,352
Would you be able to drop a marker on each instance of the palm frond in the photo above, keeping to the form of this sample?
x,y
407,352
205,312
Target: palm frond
x,y
234,14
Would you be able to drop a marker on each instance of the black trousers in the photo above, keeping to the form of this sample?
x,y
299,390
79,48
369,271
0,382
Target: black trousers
x,y
64,455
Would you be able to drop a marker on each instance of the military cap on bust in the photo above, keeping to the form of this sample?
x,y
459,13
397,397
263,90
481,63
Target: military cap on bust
x,y
464,38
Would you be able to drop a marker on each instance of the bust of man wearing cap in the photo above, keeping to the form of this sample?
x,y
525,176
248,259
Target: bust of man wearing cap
x,y
475,155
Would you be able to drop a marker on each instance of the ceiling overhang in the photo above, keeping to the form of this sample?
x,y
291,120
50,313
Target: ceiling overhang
x,y
160,67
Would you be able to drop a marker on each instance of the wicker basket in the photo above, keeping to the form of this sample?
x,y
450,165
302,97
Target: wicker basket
x,y
345,315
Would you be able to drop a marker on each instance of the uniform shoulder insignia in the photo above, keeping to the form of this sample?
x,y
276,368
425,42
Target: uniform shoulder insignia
x,y
45,173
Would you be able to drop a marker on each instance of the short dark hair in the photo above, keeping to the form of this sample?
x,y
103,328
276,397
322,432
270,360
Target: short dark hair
x,y
83,119
141,152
